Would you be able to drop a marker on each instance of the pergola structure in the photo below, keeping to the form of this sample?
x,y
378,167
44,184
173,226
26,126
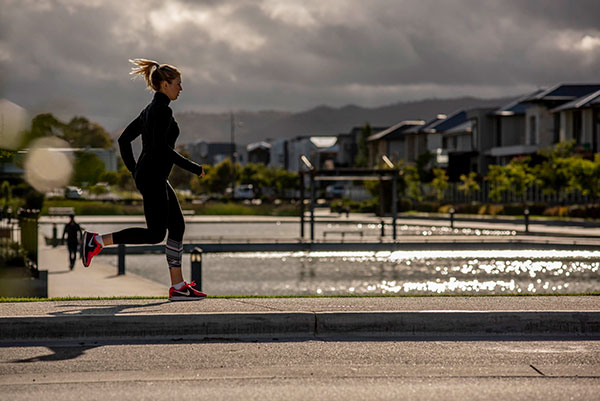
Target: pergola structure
x,y
346,174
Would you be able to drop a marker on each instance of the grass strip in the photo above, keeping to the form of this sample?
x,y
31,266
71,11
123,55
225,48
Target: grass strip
x,y
14,300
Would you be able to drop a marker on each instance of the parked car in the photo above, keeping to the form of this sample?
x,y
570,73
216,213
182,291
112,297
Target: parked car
x,y
73,192
244,192
335,191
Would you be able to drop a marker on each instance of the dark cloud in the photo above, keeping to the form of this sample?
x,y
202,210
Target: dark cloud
x,y
70,56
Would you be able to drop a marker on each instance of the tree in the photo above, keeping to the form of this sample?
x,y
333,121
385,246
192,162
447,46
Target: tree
x,y
87,169
125,179
110,177
439,182
498,179
519,176
82,133
257,175
468,184
553,173
585,175
79,132
362,153
285,180
217,178
412,183
423,163
42,125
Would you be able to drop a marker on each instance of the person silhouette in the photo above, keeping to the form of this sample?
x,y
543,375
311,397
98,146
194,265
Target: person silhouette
x,y
74,235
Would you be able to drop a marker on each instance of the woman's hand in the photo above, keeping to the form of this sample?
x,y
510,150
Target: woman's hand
x,y
201,174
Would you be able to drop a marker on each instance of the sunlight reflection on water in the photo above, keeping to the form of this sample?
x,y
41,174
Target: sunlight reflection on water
x,y
400,272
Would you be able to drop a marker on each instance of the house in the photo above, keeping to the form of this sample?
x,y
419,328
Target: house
x,y
454,135
543,127
391,142
509,132
579,120
321,150
349,144
482,138
433,140
278,153
259,152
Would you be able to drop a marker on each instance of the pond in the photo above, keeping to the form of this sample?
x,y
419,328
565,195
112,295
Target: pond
x,y
399,272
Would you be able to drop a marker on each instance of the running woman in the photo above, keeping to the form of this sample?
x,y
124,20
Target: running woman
x,y
159,132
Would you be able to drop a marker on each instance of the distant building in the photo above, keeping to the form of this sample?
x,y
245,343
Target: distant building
x,y
259,152
278,154
508,132
321,150
391,142
215,152
544,127
579,120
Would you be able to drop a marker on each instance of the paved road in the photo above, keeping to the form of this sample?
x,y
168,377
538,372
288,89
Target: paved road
x,y
300,370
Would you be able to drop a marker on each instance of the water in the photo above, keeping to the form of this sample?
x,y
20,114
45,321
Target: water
x,y
286,231
400,272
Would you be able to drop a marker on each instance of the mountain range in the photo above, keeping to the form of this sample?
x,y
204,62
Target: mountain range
x,y
322,120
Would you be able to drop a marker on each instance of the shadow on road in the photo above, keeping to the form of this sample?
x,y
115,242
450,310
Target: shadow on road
x,y
101,309
59,353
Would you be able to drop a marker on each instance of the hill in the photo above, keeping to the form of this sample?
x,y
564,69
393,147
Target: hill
x,y
258,126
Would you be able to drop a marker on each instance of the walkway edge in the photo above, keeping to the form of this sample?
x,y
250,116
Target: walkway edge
x,y
270,325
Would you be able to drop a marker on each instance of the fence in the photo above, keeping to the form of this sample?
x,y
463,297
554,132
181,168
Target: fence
x,y
534,194
18,236
10,238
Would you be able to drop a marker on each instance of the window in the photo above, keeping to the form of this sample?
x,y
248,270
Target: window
x,y
577,134
531,140
556,138
498,131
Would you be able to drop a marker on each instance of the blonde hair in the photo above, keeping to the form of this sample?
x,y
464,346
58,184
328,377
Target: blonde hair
x,y
153,72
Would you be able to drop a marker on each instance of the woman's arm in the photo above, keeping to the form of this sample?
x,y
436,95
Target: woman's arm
x,y
186,163
129,134
159,141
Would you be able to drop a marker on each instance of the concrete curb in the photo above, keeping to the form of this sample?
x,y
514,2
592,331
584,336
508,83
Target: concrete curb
x,y
458,322
269,325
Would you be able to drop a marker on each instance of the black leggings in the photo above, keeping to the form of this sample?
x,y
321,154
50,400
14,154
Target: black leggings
x,y
162,212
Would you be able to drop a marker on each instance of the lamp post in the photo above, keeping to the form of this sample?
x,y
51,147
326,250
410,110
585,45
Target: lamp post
x,y
233,150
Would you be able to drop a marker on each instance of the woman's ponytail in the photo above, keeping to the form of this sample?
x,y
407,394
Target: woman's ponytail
x,y
153,72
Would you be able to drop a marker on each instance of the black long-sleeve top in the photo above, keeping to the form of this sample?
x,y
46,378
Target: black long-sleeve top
x,y
159,132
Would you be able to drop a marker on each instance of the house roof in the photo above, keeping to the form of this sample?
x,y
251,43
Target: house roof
x,y
516,107
258,145
452,121
323,141
427,127
563,92
396,130
466,126
582,102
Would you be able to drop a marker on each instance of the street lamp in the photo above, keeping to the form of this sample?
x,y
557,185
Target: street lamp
x,y
233,152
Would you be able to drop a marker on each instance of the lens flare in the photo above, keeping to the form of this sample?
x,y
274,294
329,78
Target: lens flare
x,y
48,164
13,122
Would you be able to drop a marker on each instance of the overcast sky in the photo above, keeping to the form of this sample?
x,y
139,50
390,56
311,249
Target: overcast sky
x,y
70,56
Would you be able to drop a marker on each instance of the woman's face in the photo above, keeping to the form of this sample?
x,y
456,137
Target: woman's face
x,y
171,89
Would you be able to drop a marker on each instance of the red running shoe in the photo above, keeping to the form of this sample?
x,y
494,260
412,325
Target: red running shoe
x,y
186,293
89,248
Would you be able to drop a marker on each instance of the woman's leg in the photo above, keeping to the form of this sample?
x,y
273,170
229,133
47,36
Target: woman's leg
x,y
155,210
176,228
156,205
